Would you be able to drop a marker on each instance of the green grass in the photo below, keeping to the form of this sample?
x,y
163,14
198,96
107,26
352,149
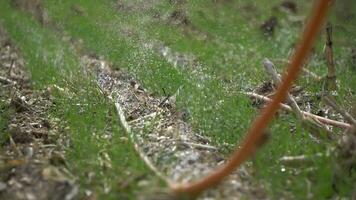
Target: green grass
x,y
234,50
153,71
87,116
226,40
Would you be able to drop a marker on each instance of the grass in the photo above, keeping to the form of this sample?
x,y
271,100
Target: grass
x,y
153,71
229,47
218,60
88,116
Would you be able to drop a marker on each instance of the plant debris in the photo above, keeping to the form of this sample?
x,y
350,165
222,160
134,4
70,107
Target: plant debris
x,y
31,139
179,17
269,25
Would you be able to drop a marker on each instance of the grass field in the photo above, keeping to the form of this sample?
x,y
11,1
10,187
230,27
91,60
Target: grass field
x,y
89,115
226,47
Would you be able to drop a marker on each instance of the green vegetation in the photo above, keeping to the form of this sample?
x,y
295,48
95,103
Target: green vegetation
x,y
228,46
89,116
104,35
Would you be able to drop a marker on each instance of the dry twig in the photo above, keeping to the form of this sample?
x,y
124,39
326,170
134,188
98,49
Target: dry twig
x,y
127,127
271,70
338,109
331,77
312,74
298,160
289,109
11,67
305,70
6,81
314,126
201,146
14,146
143,117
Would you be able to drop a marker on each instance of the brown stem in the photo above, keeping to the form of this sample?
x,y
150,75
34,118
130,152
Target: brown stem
x,y
331,77
257,130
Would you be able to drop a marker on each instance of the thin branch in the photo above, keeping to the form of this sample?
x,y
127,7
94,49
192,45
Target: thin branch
x,y
127,128
331,77
271,70
202,146
11,67
305,70
338,109
14,146
329,51
298,160
142,118
314,126
137,148
289,109
312,74
6,81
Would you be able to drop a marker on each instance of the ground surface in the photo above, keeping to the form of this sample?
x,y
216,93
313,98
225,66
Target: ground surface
x,y
179,72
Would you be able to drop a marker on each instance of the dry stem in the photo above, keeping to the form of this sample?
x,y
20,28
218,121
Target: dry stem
x,y
329,51
305,70
289,109
298,160
338,109
331,77
271,70
127,127
314,126
6,81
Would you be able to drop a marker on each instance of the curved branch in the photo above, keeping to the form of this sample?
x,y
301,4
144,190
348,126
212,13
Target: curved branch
x,y
256,132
